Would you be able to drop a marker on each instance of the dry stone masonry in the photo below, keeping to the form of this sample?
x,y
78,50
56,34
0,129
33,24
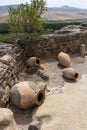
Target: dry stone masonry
x,y
8,71
68,39
10,65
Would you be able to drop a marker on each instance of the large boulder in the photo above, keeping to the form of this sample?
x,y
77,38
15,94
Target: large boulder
x,y
7,121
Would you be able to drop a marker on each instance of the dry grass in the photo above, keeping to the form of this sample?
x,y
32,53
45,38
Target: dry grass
x,y
4,17
61,15
53,15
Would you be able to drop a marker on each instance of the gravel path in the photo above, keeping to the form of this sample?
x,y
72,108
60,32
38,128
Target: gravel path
x,y
54,85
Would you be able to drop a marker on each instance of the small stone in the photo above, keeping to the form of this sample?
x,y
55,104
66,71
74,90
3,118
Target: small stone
x,y
2,92
4,96
4,83
34,126
16,80
32,70
12,82
43,75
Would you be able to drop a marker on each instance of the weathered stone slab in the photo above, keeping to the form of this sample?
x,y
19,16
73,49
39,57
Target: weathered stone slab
x,y
79,86
65,111
7,121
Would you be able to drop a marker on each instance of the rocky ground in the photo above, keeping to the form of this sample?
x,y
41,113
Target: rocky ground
x,y
54,85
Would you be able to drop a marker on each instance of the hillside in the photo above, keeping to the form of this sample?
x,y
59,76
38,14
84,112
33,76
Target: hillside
x,y
65,8
54,13
6,8
65,13
4,12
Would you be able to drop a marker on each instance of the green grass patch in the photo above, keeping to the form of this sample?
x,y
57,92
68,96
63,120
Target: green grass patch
x,y
7,38
55,25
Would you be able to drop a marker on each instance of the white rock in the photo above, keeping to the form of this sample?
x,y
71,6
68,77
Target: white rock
x,y
7,121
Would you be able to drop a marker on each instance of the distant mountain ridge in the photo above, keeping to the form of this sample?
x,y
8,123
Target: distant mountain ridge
x,y
66,8
62,8
52,14
6,7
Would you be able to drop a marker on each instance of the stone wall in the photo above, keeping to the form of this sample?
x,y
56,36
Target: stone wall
x,y
11,60
67,39
13,50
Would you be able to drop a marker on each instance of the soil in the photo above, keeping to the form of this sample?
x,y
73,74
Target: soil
x,y
54,85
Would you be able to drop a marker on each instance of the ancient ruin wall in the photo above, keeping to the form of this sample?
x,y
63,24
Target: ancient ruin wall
x,y
51,45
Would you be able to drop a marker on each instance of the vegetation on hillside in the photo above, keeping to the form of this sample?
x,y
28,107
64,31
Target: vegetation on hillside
x,y
54,25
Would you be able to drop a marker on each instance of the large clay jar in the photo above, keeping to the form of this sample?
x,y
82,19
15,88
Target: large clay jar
x,y
64,59
70,73
33,62
27,94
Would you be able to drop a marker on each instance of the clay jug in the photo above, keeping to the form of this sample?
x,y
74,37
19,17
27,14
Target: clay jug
x,y
27,94
70,73
64,59
33,62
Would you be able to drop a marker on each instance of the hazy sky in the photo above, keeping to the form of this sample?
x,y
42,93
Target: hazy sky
x,y
50,3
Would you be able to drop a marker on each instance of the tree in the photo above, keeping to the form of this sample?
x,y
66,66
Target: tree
x,y
27,18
